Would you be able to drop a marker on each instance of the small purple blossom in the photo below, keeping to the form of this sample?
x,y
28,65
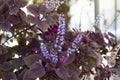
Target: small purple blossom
x,y
70,51
54,58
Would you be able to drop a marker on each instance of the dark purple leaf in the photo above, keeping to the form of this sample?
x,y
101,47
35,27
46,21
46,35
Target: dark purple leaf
x,y
50,20
2,19
5,26
14,19
29,60
36,70
6,66
9,76
62,72
75,69
70,59
14,10
74,75
27,77
22,15
20,74
3,50
112,35
33,9
15,5
34,20
43,10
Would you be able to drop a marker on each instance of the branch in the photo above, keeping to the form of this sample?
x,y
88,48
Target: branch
x,y
17,34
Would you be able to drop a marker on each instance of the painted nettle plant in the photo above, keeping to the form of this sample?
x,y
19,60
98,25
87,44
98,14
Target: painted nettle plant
x,y
47,49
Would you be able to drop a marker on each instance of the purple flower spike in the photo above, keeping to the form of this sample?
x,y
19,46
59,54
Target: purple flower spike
x,y
64,59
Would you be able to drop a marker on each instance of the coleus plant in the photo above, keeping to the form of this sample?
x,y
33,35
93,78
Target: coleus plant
x,y
47,49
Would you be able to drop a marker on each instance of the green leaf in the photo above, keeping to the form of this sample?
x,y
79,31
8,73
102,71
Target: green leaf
x,y
17,62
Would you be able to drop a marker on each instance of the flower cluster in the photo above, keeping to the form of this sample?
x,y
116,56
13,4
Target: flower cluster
x,y
50,55
73,47
53,4
59,42
47,49
60,34
45,52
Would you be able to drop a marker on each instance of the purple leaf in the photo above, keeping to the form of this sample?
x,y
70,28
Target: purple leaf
x,y
29,60
9,76
6,66
33,9
62,72
112,35
5,26
14,19
70,59
74,75
36,70
27,77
